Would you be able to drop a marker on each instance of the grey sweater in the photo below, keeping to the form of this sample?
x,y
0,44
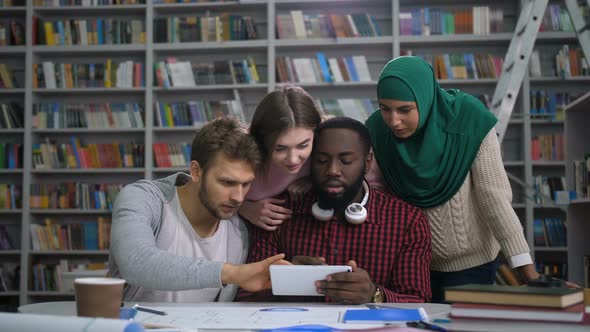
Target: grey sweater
x,y
134,256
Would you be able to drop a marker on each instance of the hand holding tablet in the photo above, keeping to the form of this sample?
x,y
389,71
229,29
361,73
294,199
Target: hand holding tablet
x,y
300,279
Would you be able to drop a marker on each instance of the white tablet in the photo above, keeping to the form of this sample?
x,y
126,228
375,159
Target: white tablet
x,y
300,279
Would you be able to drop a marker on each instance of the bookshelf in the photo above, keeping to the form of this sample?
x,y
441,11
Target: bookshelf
x,y
577,119
264,48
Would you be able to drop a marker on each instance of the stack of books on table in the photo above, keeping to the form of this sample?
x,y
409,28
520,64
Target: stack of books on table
x,y
523,303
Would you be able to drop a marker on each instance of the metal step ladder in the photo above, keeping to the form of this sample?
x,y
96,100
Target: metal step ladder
x,y
516,62
520,49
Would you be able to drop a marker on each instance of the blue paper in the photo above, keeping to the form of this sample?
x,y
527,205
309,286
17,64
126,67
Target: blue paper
x,y
389,315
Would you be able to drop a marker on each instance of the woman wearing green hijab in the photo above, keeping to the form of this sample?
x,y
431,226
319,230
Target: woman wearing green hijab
x,y
437,149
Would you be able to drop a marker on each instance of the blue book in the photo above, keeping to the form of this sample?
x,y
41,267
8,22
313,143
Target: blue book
x,y
325,68
388,315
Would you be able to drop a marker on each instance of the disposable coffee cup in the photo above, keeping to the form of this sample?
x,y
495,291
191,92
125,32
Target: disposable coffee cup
x,y
99,297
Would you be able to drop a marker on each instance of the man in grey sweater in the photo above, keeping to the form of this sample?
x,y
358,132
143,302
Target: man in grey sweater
x,y
178,239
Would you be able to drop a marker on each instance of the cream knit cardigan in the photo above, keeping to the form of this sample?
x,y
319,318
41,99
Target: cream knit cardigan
x,y
476,223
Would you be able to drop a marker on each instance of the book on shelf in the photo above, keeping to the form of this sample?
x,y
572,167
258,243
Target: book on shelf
x,y
5,240
174,73
550,232
125,74
582,177
549,104
11,116
7,78
206,28
11,155
52,155
556,18
87,235
551,268
323,70
568,62
12,32
571,314
84,3
478,20
73,195
92,116
546,186
50,276
10,196
548,147
544,297
90,31
462,66
11,3
9,276
195,113
172,154
300,25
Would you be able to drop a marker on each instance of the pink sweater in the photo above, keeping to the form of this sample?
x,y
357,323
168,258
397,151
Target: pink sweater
x,y
275,182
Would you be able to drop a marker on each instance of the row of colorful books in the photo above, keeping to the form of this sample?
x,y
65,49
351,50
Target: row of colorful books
x,y
173,73
582,177
550,232
84,3
88,235
12,32
50,277
73,195
546,186
107,115
96,31
10,196
549,104
463,66
51,155
548,147
172,154
207,28
300,25
11,155
195,113
568,62
321,69
11,116
478,20
125,74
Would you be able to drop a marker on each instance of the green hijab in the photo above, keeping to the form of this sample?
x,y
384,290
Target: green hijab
x,y
427,168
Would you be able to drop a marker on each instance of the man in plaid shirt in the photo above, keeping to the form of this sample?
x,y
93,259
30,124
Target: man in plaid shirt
x,y
389,252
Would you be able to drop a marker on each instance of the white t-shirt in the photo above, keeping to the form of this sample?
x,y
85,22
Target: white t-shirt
x,y
178,237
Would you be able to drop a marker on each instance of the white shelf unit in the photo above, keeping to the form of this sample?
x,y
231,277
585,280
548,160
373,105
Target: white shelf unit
x,y
265,50
577,121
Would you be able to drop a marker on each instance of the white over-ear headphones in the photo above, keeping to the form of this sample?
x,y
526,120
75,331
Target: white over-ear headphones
x,y
355,213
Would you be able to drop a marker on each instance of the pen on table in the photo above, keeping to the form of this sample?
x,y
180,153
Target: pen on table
x,y
377,306
150,310
426,326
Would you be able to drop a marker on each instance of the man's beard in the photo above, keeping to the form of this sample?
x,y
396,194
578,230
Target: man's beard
x,y
341,201
206,203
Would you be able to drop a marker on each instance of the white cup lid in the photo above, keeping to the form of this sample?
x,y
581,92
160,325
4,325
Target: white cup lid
x,y
99,281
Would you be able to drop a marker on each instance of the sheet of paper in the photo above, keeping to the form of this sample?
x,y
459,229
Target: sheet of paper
x,y
246,318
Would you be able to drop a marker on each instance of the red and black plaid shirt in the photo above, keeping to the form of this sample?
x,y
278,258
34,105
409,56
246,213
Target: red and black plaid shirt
x,y
392,245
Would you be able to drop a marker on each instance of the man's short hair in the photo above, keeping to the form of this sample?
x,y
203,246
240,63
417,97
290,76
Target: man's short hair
x,y
224,135
342,122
